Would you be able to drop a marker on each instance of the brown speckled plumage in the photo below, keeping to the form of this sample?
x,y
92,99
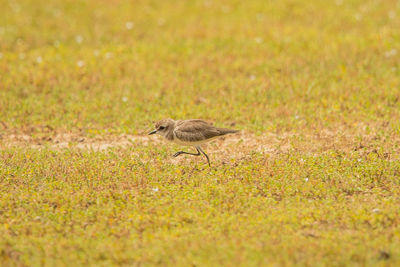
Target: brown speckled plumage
x,y
192,132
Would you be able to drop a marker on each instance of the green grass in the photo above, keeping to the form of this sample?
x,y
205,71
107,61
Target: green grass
x,y
321,77
315,60
127,206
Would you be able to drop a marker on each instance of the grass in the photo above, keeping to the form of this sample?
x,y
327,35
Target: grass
x,y
315,83
126,206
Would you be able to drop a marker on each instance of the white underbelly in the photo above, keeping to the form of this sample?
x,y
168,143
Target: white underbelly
x,y
198,143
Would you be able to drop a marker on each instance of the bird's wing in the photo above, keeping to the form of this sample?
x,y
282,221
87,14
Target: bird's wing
x,y
195,130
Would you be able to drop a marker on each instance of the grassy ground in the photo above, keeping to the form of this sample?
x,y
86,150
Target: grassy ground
x,y
313,179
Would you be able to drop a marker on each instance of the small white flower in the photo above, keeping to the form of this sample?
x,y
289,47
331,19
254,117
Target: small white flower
x,y
57,12
226,9
297,117
258,40
80,63
79,39
161,22
359,160
306,179
302,160
124,99
108,55
339,2
14,6
391,53
376,210
207,3
129,25
260,17
155,189
39,59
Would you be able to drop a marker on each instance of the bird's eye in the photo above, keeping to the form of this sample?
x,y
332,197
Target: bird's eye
x,y
162,127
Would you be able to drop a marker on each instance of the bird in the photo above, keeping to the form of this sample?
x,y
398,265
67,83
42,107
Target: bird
x,y
192,132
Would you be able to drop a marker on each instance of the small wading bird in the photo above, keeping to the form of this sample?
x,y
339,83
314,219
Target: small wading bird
x,y
189,133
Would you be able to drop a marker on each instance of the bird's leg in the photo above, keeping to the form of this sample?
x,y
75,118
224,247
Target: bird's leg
x,y
183,152
201,150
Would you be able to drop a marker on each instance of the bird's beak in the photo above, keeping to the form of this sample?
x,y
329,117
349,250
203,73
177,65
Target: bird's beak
x,y
152,132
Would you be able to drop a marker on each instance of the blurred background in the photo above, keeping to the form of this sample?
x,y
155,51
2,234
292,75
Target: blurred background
x,y
312,179
116,66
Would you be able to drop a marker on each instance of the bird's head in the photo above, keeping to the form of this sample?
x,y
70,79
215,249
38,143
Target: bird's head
x,y
163,127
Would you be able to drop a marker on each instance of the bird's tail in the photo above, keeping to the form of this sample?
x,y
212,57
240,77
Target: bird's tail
x,y
224,131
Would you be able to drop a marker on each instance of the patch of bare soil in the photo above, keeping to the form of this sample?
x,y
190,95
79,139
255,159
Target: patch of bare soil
x,y
236,145
70,140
